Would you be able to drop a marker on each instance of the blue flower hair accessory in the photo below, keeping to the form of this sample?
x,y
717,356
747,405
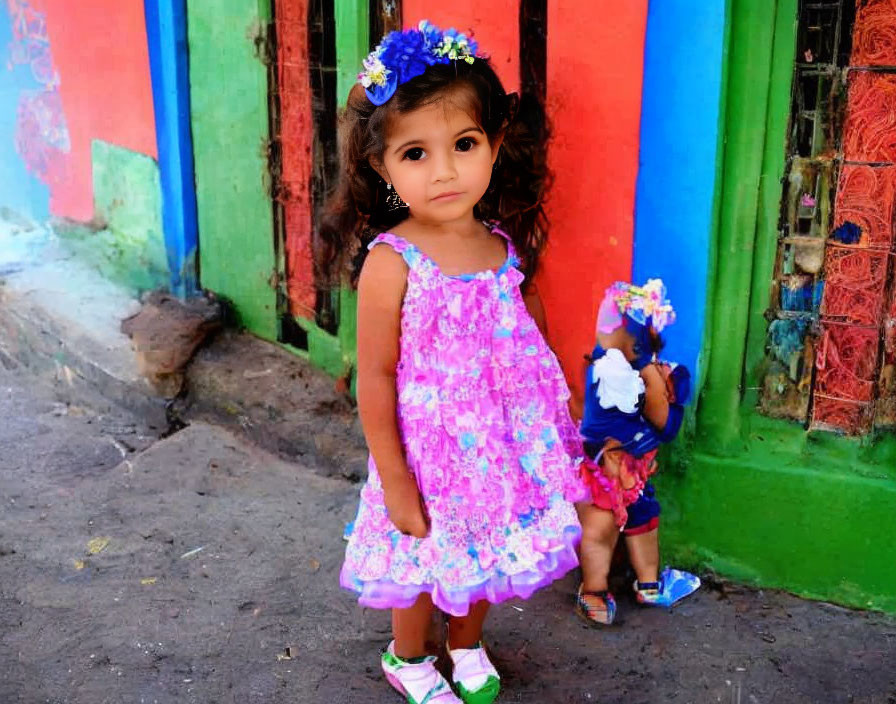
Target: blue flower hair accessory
x,y
404,55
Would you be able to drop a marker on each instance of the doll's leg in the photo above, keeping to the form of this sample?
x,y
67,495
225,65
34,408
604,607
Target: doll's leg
x,y
594,602
599,536
466,631
644,553
642,536
410,626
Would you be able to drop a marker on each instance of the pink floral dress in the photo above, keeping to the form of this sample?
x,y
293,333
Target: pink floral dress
x,y
482,408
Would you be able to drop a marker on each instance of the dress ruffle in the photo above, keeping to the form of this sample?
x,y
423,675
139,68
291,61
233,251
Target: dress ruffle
x,y
386,594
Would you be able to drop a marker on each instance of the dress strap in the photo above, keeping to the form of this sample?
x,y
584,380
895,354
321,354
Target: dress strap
x,y
411,255
399,244
495,229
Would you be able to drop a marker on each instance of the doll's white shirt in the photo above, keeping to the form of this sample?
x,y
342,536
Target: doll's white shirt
x,y
618,385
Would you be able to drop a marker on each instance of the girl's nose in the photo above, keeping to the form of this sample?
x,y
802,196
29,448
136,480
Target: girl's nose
x,y
444,168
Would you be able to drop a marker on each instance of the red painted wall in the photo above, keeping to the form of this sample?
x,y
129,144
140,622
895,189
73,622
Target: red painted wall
x,y
296,136
101,54
595,72
495,26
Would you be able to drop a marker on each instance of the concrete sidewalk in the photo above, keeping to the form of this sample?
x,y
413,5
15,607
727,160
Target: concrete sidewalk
x,y
198,568
61,318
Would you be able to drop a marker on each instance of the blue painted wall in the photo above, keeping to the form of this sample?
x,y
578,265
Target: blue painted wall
x,y
166,30
20,190
676,180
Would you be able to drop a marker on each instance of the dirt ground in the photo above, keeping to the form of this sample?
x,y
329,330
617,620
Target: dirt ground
x,y
200,568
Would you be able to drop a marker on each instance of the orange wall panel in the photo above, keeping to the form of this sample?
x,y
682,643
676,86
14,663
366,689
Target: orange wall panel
x,y
102,56
594,78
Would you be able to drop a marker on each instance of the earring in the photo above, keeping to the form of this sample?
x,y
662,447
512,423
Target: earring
x,y
393,200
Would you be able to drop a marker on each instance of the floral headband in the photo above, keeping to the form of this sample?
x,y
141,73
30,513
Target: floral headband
x,y
639,303
402,56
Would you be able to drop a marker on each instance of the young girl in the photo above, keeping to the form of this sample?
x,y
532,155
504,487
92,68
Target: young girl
x,y
473,455
632,405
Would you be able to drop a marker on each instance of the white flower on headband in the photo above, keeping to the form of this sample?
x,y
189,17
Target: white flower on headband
x,y
375,72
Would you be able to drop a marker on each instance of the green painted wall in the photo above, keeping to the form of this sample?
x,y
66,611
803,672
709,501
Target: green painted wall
x,y
752,87
352,47
786,513
336,354
352,42
125,241
753,498
229,107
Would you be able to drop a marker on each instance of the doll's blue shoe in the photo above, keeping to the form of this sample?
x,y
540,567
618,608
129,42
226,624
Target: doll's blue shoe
x,y
673,585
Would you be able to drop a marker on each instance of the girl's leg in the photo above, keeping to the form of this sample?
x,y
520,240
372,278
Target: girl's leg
x,y
475,677
410,626
599,536
644,554
466,631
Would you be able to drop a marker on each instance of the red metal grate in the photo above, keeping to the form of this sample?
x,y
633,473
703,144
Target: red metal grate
x,y
846,366
885,410
866,196
874,37
835,414
854,286
296,129
870,134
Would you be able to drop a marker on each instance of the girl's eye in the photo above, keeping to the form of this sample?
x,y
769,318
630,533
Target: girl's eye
x,y
414,154
465,144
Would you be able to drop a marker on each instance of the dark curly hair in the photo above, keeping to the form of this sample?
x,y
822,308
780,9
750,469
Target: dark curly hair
x,y
356,210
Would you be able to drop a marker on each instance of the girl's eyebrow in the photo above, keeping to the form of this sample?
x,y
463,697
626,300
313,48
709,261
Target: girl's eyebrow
x,y
474,128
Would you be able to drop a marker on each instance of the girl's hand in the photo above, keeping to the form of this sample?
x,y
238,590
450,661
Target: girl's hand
x,y
405,506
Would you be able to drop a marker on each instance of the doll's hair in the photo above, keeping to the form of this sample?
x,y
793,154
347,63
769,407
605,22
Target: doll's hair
x,y
356,211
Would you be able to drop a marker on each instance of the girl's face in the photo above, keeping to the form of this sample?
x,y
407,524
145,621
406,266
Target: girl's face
x,y
439,159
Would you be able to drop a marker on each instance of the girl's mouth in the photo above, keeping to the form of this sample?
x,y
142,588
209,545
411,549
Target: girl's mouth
x,y
443,197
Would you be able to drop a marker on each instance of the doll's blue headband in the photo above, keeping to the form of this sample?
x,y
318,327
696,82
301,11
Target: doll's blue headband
x,y
404,55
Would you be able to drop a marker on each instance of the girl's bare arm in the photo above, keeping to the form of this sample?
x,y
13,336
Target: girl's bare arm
x,y
381,290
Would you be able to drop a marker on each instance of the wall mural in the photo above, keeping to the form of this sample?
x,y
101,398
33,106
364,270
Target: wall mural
x,y
41,132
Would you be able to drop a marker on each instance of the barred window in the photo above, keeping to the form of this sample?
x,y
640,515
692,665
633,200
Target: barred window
x,y
831,343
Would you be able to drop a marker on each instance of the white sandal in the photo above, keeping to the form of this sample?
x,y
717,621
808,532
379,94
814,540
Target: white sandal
x,y
419,682
476,679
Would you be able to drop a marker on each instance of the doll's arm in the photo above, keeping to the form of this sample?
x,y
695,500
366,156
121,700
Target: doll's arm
x,y
673,394
656,398
381,290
